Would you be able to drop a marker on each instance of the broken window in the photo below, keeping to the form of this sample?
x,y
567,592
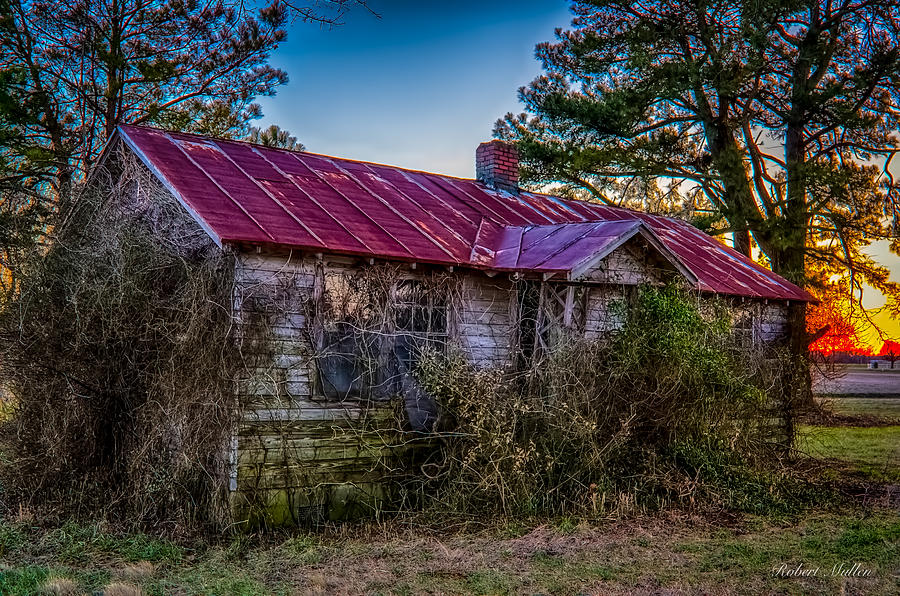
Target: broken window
x,y
373,334
746,326
348,344
420,324
548,313
420,321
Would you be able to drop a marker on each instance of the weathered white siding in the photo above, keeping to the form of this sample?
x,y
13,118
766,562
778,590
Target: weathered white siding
x,y
296,450
618,273
298,455
484,325
628,266
271,304
605,311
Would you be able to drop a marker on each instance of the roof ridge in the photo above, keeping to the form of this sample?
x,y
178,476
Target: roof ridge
x,y
214,139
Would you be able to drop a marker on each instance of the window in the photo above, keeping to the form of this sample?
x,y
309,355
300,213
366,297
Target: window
x,y
548,313
420,321
373,333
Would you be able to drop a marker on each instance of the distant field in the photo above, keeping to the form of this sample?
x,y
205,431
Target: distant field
x,y
858,380
870,450
879,407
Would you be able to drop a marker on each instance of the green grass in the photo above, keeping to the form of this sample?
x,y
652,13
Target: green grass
x,y
304,549
652,553
879,407
208,580
487,582
23,580
74,543
823,542
12,538
29,580
873,452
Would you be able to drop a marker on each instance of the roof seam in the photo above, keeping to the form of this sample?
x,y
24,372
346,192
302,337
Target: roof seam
x,y
400,215
556,230
272,197
475,244
357,207
522,199
293,182
219,186
522,231
433,216
406,174
500,219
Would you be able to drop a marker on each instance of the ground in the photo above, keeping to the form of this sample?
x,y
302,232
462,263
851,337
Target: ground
x,y
856,445
659,554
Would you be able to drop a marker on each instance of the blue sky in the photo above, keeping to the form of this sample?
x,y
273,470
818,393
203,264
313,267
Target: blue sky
x,y
423,84
419,87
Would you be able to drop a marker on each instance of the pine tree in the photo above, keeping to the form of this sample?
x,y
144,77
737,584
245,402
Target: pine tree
x,y
274,136
91,65
778,118
25,171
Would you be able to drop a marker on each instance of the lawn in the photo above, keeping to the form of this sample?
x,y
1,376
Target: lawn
x,y
872,452
654,553
879,407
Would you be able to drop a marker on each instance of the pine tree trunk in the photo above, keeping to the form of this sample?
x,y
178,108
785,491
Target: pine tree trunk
x,y
789,261
742,242
795,394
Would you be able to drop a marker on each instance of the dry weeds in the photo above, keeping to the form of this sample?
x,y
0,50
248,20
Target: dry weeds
x,y
122,589
117,353
60,586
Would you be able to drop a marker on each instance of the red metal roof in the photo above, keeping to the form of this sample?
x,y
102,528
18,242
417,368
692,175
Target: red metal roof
x,y
248,194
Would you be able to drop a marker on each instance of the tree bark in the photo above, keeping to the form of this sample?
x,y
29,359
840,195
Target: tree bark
x,y
789,261
742,242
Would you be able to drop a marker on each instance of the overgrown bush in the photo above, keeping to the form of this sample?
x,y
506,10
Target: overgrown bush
x,y
666,411
117,356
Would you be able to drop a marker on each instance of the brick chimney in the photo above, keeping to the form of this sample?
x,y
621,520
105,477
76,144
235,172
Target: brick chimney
x,y
497,165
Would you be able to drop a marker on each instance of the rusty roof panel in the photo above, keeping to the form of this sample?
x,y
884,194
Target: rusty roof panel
x,y
497,246
578,243
249,194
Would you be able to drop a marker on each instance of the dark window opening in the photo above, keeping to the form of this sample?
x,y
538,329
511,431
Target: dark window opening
x,y
528,295
548,314
342,363
372,340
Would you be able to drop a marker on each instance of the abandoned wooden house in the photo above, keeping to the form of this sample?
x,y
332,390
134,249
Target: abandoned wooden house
x,y
479,267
